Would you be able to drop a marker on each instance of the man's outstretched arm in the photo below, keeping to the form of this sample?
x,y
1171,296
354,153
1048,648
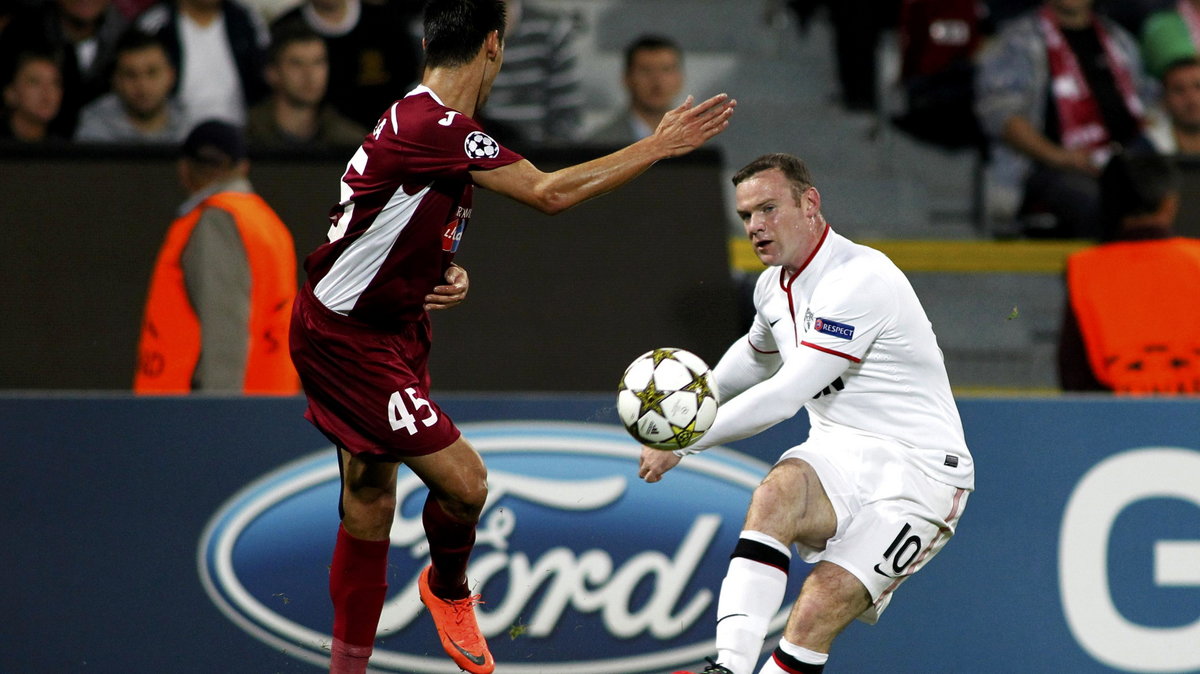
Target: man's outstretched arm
x,y
682,130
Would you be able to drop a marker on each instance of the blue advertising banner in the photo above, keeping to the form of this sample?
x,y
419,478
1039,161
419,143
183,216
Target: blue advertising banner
x,y
194,534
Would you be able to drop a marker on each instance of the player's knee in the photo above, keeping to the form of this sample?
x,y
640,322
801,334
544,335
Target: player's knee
x,y
373,503
466,503
788,483
790,504
368,513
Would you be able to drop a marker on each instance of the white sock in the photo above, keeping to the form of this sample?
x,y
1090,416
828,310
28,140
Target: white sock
x,y
800,653
751,595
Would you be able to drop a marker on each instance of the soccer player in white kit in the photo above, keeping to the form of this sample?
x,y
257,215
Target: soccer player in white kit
x,y
879,485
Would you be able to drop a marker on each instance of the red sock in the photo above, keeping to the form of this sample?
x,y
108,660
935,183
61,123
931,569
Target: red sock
x,y
358,586
450,545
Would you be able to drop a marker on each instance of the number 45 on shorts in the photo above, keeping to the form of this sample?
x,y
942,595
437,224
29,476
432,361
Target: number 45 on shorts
x,y
403,413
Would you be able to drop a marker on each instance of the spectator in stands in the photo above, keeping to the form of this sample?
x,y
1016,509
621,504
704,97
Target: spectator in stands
x,y
219,48
1179,133
653,79
857,26
373,58
1170,34
32,98
84,33
537,98
938,43
1130,324
140,108
221,292
296,116
1057,92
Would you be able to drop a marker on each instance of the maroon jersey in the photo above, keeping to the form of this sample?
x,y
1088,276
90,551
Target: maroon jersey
x,y
405,202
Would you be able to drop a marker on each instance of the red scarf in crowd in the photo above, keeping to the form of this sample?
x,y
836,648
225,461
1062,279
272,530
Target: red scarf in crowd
x,y
1080,122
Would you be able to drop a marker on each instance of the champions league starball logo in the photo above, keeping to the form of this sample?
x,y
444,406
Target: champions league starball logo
x,y
479,145
584,569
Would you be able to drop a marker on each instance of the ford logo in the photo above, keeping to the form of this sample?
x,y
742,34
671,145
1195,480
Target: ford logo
x,y
584,568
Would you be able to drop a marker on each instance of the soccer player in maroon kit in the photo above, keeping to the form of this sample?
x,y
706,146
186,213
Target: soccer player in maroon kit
x,y
360,334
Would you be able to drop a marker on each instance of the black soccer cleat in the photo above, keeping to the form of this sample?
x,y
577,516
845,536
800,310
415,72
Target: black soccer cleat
x,y
712,668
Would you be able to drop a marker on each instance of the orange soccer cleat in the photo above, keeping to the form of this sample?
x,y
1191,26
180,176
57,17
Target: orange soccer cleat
x,y
456,626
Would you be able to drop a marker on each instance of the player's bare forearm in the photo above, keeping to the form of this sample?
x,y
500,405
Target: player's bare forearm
x,y
654,463
682,130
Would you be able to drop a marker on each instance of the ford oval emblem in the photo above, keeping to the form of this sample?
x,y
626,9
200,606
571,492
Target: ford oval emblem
x,y
584,568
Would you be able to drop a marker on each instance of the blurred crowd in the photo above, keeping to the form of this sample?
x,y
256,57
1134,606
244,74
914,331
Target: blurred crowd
x,y
1048,92
1045,90
308,74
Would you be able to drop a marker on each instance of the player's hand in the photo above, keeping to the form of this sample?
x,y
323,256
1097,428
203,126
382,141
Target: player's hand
x,y
452,293
654,463
689,126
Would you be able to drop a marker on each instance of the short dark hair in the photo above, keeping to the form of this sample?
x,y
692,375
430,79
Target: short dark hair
x,y
648,43
1135,183
137,40
456,29
792,167
1179,64
40,53
287,34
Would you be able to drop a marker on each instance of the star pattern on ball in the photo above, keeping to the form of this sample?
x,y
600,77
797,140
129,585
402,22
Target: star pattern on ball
x,y
686,435
700,386
660,355
651,399
671,412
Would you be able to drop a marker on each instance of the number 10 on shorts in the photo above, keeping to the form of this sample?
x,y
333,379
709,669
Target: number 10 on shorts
x,y
403,414
903,556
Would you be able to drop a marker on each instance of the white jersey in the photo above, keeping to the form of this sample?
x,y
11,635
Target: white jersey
x,y
852,302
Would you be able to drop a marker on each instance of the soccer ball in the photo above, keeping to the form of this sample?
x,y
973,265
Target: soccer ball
x,y
667,398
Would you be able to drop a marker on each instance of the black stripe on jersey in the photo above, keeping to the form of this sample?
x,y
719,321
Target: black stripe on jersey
x,y
761,553
793,666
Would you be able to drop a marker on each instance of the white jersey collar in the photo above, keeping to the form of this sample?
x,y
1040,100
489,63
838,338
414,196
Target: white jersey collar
x,y
422,89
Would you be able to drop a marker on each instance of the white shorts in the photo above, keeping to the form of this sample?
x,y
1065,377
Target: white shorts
x,y
892,518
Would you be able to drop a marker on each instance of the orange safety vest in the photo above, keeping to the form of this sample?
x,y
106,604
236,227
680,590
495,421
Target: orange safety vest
x,y
1138,307
170,342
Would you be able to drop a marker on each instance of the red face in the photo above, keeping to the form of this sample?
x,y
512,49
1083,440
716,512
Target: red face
x,y
784,230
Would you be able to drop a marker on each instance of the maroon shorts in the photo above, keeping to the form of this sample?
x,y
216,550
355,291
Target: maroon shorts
x,y
367,389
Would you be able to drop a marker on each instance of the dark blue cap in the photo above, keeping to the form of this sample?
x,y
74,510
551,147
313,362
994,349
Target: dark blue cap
x,y
215,142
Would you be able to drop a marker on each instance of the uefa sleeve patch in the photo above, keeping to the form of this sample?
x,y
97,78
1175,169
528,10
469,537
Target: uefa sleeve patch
x,y
834,328
479,145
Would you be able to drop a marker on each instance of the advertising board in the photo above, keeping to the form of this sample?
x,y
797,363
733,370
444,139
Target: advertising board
x,y
194,535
